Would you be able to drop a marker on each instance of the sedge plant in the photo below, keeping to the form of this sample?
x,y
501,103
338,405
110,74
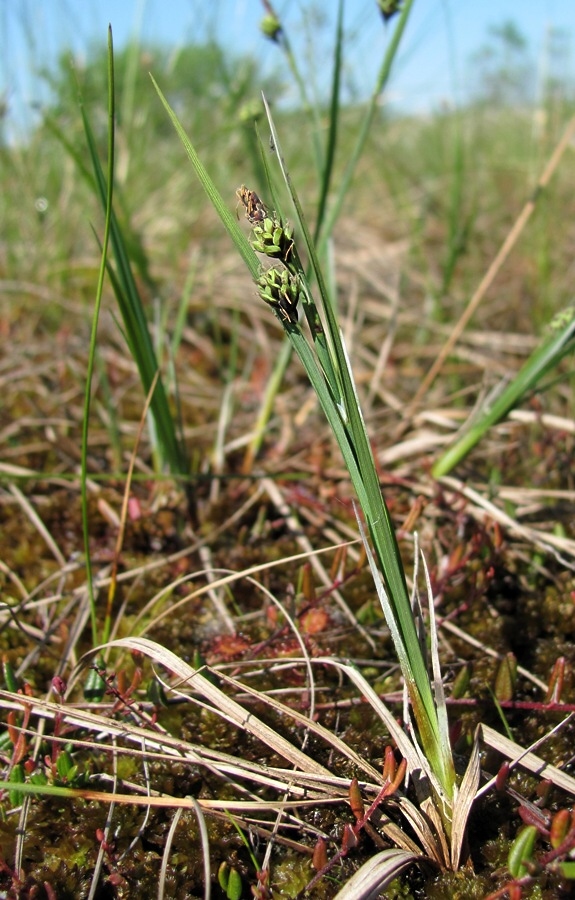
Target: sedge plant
x,y
325,151
274,259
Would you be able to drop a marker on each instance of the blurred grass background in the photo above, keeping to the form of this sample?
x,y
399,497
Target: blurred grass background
x,y
449,182
432,200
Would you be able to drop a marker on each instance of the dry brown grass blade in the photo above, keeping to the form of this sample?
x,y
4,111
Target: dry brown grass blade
x,y
319,730
428,828
494,268
168,802
374,875
224,705
464,799
38,523
527,759
557,545
147,744
394,832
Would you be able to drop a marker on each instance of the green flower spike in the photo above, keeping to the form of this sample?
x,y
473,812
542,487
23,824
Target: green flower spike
x,y
273,238
280,290
271,28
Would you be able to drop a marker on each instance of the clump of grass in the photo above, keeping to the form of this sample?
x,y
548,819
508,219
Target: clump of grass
x,y
284,285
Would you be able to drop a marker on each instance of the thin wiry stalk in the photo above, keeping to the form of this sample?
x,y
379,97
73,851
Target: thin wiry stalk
x,y
228,578
282,39
107,196
168,846
365,127
334,116
107,829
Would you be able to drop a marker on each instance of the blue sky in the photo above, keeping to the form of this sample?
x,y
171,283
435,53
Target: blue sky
x,y
433,66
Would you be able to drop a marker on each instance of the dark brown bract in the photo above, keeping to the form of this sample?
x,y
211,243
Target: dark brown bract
x,y
255,209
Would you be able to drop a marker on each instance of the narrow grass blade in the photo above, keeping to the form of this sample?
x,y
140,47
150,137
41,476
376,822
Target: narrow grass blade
x,y
364,129
438,692
542,360
136,326
229,222
433,729
340,398
334,114
107,200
